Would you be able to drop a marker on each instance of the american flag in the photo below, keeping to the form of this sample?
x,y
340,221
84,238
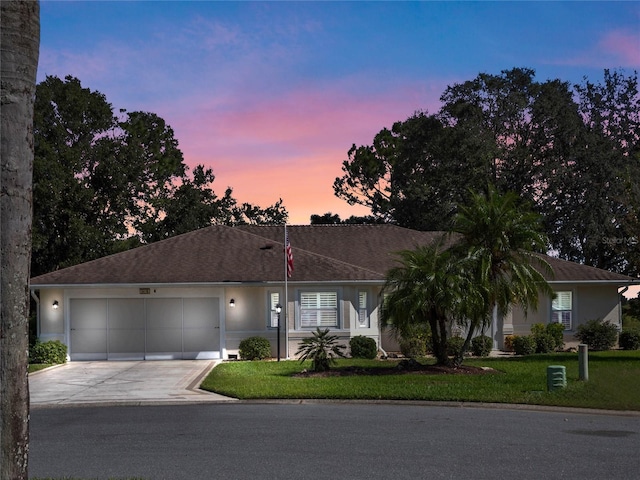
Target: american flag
x,y
289,255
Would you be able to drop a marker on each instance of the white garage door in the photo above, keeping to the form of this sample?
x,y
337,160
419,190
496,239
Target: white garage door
x,y
134,328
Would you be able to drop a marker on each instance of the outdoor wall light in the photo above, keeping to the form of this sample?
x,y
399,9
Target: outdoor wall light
x,y
232,303
55,304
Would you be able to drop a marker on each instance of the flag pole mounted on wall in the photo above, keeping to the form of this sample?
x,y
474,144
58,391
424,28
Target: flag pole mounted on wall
x,y
288,271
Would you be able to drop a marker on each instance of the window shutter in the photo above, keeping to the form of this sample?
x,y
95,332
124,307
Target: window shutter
x,y
274,299
363,314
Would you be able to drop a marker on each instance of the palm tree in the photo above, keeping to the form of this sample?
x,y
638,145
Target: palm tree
x,y
427,288
500,240
322,349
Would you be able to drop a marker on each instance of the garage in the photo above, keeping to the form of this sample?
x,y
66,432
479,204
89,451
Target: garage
x,y
144,328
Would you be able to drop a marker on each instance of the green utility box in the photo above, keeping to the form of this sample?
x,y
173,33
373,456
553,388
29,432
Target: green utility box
x,y
556,377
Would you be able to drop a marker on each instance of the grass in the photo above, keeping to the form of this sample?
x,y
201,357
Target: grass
x,y
34,367
614,382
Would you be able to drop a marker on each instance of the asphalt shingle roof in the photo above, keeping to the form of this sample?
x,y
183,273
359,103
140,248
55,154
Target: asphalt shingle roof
x,y
250,253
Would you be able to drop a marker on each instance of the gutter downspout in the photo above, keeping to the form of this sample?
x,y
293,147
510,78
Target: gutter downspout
x,y
37,300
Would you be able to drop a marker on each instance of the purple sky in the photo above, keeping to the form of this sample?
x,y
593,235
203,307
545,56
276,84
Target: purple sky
x,y
272,95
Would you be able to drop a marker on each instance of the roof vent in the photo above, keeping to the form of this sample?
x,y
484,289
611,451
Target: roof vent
x,y
267,247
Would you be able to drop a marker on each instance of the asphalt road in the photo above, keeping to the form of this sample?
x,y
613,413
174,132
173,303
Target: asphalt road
x,y
330,440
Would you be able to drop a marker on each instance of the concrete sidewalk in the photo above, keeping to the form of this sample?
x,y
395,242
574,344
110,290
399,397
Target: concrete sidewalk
x,y
122,383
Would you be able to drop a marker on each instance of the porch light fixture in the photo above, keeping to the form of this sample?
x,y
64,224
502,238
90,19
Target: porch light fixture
x,y
55,304
278,310
232,303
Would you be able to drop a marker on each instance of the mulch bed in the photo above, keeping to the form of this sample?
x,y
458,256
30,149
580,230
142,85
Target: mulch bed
x,y
403,368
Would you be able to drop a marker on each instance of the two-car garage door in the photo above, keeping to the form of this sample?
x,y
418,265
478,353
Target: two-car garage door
x,y
149,328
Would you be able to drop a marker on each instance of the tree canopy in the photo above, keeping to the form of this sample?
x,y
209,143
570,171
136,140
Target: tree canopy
x,y
573,151
104,182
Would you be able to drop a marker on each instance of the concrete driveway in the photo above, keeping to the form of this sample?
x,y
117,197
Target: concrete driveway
x,y
122,383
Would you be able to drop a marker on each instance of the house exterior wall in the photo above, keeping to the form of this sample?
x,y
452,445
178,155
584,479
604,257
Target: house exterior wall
x,y
252,312
250,315
51,321
348,322
589,302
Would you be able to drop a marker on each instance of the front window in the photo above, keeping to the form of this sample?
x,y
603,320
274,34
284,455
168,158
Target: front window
x,y
561,309
318,309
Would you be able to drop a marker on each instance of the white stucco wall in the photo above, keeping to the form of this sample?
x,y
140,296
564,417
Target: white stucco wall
x,y
249,317
51,321
589,302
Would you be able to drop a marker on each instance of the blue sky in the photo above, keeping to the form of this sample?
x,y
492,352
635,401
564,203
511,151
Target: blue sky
x,y
272,95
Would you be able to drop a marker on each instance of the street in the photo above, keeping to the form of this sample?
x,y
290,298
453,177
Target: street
x,y
330,440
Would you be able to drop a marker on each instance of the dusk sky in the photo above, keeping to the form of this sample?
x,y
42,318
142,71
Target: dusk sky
x,y
272,95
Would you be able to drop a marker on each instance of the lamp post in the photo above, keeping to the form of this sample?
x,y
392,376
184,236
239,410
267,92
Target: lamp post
x,y
278,310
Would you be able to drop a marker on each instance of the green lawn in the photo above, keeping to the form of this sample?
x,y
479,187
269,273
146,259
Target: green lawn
x,y
614,382
34,367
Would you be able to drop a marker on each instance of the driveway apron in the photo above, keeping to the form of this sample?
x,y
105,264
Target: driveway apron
x,y
122,383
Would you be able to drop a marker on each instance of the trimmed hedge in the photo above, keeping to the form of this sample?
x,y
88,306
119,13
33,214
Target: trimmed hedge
x,y
51,352
363,347
255,348
524,344
481,346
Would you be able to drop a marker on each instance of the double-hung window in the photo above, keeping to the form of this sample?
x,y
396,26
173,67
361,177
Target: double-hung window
x,y
561,309
318,309
363,312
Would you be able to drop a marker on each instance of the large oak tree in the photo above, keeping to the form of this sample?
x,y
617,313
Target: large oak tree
x,y
104,182
574,152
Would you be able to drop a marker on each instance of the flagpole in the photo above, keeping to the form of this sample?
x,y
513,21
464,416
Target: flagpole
x,y
286,296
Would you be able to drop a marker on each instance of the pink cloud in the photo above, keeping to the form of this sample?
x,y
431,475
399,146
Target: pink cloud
x,y
291,146
617,48
622,45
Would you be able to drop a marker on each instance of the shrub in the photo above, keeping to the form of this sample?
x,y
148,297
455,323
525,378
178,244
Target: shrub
x,y
255,348
363,347
524,345
322,349
597,335
508,342
454,346
537,329
630,339
544,343
413,347
415,341
50,352
548,338
481,346
556,330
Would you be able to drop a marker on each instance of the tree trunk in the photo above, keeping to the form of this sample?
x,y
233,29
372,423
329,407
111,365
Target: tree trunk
x,y
19,45
439,338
